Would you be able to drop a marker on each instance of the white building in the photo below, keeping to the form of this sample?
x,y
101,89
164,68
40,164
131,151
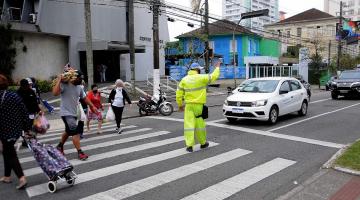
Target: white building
x,y
351,8
54,34
232,10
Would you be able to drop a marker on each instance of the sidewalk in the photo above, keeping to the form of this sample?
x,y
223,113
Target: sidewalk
x,y
327,184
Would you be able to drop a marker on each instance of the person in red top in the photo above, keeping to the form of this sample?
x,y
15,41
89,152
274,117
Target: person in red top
x,y
95,97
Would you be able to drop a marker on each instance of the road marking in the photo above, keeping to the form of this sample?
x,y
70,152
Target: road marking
x,y
318,101
107,171
310,118
217,121
237,183
102,136
265,133
151,182
60,130
110,154
57,137
105,144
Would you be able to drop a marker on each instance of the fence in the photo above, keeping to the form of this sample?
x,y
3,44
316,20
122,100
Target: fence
x,y
226,72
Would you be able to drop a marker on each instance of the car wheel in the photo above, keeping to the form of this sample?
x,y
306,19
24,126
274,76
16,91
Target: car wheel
x,y
303,109
231,120
334,95
273,115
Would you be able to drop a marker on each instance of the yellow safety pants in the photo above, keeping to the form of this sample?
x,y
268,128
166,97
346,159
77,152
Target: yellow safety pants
x,y
193,125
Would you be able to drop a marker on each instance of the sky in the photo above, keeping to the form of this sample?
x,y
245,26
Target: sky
x,y
291,7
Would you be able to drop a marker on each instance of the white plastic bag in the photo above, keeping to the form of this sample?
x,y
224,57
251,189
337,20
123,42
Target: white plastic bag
x,y
81,114
110,115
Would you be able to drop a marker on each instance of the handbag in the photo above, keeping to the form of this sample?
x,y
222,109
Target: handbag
x,y
204,113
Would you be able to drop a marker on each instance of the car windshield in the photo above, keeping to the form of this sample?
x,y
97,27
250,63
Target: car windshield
x,y
259,86
350,75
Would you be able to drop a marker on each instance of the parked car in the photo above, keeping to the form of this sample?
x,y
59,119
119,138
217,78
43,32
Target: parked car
x,y
347,84
328,84
266,99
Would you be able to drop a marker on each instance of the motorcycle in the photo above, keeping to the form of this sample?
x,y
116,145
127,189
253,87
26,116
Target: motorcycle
x,y
152,105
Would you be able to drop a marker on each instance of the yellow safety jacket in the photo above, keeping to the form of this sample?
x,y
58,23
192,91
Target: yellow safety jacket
x,y
192,88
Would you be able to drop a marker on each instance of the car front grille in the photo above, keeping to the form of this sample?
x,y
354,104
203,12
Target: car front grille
x,y
239,104
228,113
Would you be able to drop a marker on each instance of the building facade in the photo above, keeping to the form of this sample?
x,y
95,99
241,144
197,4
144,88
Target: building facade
x,y
232,10
351,8
54,33
306,28
247,44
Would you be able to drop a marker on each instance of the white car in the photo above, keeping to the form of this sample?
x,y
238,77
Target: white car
x,y
266,99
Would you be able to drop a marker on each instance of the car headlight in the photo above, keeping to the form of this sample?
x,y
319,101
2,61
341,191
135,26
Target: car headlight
x,y
333,83
259,103
226,103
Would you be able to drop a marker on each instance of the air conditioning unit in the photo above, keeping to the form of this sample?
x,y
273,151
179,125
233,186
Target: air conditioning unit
x,y
32,18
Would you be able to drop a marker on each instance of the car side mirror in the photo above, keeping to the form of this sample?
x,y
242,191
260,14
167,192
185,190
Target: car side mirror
x,y
283,92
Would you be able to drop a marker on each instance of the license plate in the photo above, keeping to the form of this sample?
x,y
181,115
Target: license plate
x,y
238,110
343,91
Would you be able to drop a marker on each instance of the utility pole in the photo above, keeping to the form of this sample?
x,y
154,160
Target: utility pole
x,y
207,36
131,42
329,54
89,51
156,73
340,31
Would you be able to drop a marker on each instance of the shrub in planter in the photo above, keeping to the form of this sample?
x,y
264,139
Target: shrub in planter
x,y
44,86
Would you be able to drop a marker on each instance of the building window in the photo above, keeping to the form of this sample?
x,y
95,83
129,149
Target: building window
x,y
232,50
298,32
288,34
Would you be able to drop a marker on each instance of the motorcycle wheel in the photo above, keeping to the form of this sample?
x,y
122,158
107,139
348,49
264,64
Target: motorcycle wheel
x,y
142,112
166,109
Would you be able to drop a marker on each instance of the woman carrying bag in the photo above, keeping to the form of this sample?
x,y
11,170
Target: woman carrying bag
x,y
14,118
117,99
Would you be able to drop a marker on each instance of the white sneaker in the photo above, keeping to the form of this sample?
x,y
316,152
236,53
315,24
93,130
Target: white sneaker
x,y
119,130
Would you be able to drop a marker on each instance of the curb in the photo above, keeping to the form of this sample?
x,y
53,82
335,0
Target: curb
x,y
301,187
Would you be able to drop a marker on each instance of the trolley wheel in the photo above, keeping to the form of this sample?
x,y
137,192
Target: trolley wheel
x,y
51,186
71,181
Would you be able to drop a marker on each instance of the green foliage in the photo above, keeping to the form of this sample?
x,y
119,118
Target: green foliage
x,y
44,86
351,157
7,50
346,62
13,88
8,42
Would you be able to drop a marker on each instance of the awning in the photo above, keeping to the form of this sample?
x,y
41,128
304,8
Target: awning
x,y
122,47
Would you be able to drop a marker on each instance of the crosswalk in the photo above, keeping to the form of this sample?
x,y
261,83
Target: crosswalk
x,y
114,155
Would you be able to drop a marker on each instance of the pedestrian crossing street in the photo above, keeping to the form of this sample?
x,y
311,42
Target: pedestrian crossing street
x,y
113,155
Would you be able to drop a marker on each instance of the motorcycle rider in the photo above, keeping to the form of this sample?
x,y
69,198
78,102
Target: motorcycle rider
x,y
192,89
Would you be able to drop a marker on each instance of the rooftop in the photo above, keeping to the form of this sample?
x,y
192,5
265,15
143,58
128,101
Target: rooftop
x,y
220,27
312,14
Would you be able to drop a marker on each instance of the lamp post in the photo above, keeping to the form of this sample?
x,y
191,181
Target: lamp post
x,y
247,15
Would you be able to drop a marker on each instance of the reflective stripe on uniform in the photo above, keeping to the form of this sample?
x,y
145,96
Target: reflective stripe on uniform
x,y
194,129
180,88
209,79
195,89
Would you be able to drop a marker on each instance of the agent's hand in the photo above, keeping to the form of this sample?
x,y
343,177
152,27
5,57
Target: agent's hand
x,y
181,109
218,64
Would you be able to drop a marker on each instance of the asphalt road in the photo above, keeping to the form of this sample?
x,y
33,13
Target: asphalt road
x,y
246,160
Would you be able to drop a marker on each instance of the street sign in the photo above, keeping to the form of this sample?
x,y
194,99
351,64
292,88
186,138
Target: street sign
x,y
258,13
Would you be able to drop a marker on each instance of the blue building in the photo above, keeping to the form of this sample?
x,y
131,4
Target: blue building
x,y
190,47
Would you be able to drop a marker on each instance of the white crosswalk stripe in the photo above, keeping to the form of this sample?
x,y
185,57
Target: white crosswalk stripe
x,y
88,176
150,145
139,186
105,144
87,134
237,183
